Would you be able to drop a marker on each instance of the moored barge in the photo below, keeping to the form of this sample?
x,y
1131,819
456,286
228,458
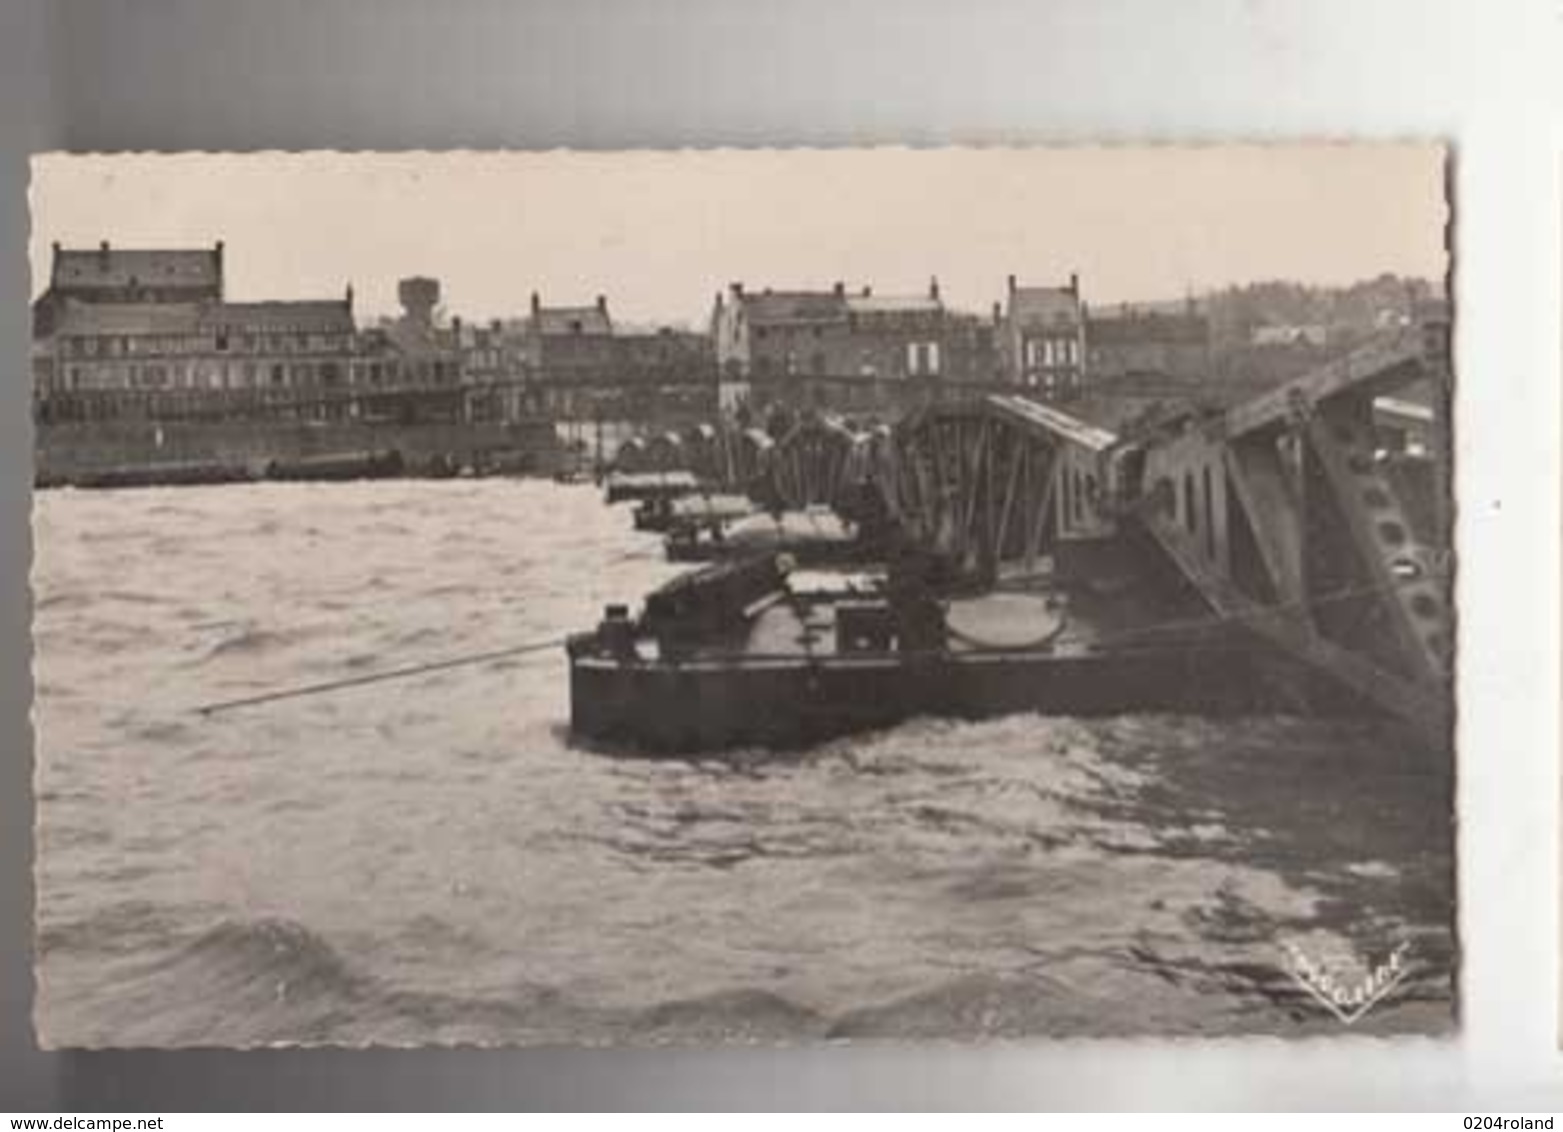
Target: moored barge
x,y
754,654
694,512
629,486
814,536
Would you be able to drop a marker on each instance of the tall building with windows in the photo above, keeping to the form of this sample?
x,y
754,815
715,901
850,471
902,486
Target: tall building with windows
x,y
132,332
1042,332
827,349
110,276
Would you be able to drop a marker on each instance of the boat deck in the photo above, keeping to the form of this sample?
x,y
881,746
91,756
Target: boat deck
x,y
801,622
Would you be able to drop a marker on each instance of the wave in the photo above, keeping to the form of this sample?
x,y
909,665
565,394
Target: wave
x,y
124,927
250,641
279,954
744,1014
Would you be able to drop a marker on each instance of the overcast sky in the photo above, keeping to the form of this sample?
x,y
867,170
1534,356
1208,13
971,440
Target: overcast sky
x,y
661,232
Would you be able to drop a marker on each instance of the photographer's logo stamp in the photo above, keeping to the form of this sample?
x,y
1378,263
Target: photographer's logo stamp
x,y
1348,995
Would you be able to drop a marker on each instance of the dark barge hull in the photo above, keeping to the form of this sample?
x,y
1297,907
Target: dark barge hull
x,y
706,705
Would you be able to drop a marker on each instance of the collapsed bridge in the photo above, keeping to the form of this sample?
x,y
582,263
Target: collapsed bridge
x,y
1305,514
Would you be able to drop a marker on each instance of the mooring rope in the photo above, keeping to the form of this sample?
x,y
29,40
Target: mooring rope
x,y
375,677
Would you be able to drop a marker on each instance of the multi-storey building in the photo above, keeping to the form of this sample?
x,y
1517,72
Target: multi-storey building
x,y
1148,339
121,358
580,365
108,275
1042,339
828,349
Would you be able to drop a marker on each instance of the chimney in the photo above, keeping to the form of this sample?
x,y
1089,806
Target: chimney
x,y
867,290
602,303
1011,284
933,287
455,329
998,313
349,296
537,303
839,289
217,254
103,254
737,289
1074,283
495,326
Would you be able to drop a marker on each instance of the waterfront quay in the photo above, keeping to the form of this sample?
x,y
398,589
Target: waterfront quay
x,y
145,368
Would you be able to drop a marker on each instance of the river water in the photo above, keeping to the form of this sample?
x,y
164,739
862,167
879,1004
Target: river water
x,y
431,860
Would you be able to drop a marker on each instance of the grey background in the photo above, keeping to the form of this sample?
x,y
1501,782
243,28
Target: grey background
x,y
400,74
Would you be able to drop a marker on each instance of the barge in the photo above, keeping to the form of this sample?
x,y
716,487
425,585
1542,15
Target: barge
x,y
630,486
664,513
757,654
814,536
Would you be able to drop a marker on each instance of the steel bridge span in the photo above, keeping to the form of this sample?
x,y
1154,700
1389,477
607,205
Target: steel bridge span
x,y
1291,513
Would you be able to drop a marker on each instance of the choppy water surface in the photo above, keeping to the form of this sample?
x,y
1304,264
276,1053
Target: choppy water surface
x,y
431,860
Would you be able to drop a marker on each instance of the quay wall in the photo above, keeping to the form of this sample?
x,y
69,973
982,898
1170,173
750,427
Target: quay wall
x,y
65,451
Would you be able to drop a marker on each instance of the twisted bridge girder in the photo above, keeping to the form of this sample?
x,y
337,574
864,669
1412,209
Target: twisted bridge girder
x,y
974,482
1287,513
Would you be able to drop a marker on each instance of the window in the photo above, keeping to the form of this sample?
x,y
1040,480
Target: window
x,y
922,357
277,375
222,341
1189,520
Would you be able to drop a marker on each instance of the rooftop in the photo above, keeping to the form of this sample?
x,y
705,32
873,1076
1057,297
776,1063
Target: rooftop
x,y
775,307
893,304
109,268
305,314
559,321
1044,304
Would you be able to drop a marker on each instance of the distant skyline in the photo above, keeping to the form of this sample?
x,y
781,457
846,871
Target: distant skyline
x,y
661,232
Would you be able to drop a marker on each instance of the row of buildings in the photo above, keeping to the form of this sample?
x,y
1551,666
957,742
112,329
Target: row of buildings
x,y
853,349
125,332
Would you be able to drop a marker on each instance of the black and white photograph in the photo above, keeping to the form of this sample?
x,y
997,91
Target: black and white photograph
x,y
762,596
